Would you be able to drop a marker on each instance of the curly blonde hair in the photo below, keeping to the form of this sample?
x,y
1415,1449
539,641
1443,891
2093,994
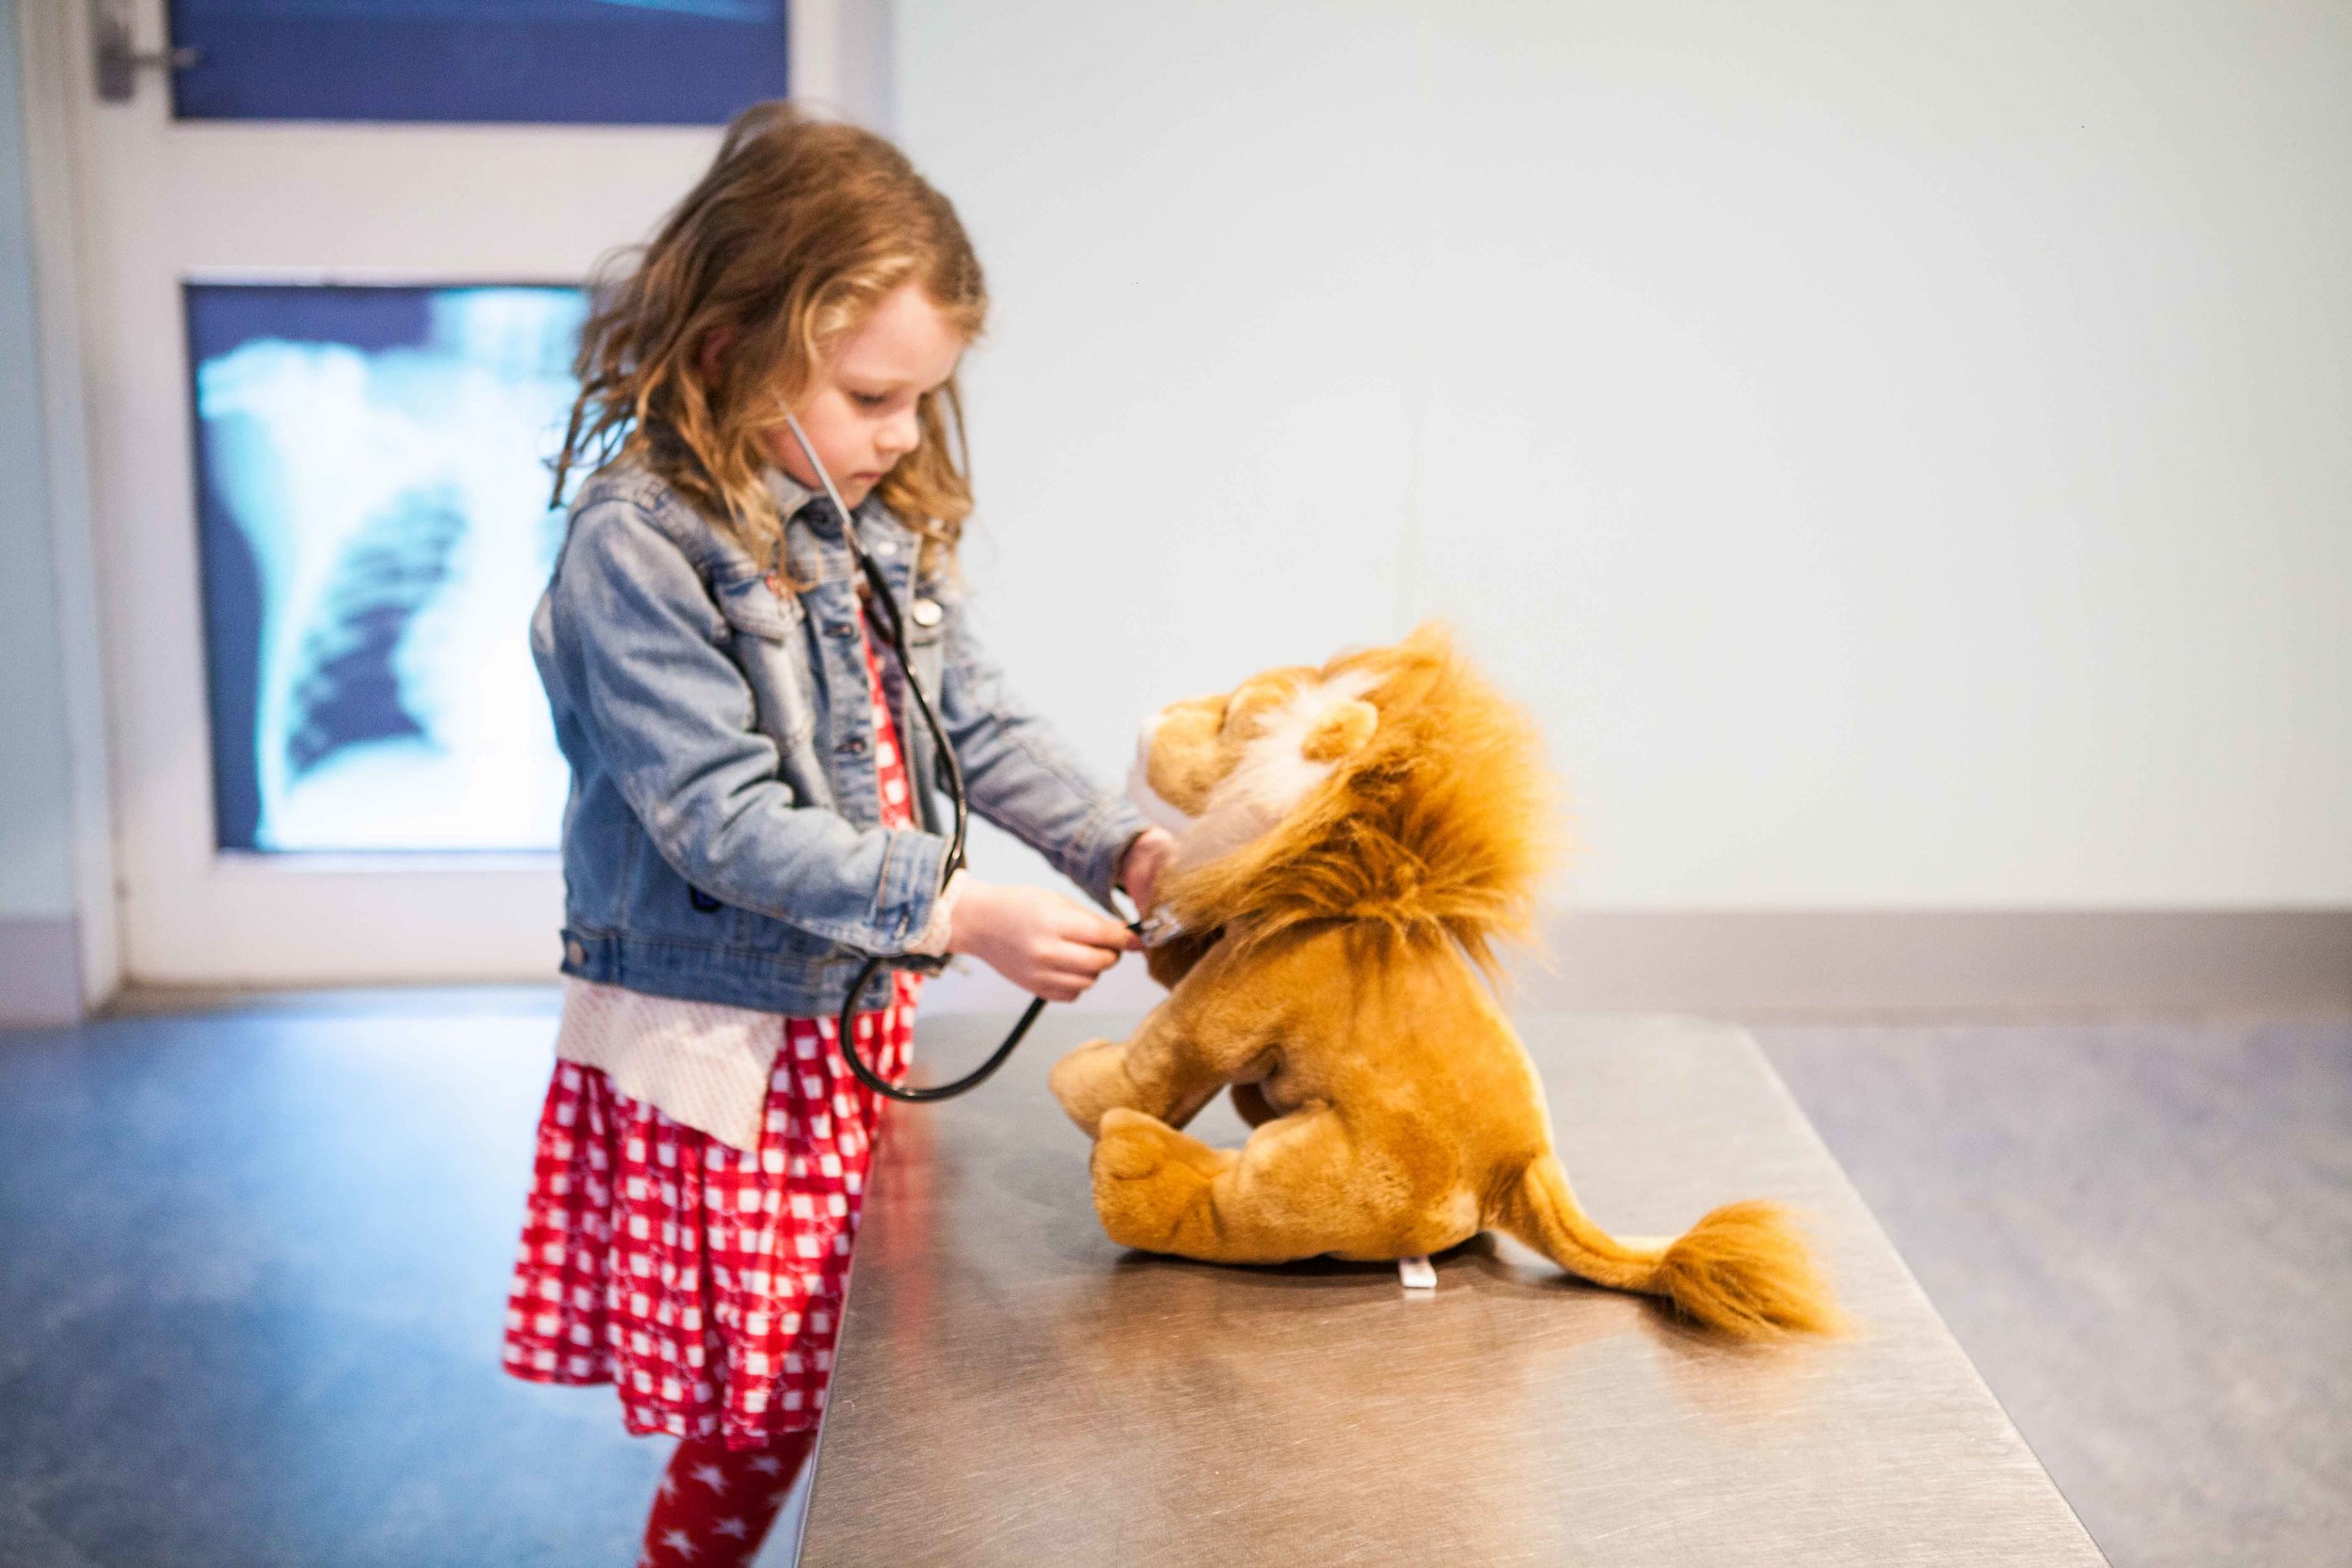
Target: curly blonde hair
x,y
797,232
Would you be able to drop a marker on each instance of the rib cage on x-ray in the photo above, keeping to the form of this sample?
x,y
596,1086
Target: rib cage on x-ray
x,y
347,678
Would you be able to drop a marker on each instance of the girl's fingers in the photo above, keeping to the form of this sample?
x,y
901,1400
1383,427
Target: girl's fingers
x,y
1068,949
1073,958
1064,959
1061,988
1094,930
1076,967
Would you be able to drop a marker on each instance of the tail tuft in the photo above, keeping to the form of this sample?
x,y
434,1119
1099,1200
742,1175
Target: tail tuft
x,y
1745,1271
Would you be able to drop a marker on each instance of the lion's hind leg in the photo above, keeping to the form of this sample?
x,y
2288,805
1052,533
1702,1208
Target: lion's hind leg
x,y
1293,1191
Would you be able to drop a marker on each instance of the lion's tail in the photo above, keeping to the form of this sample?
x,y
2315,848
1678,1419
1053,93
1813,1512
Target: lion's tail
x,y
1742,1269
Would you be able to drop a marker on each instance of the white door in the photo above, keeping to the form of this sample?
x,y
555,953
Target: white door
x,y
323,359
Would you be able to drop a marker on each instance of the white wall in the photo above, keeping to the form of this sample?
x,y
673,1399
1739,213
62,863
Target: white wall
x,y
1904,453
36,828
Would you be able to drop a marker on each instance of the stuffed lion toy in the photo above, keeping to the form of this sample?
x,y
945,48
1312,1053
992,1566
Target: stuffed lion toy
x,y
1351,843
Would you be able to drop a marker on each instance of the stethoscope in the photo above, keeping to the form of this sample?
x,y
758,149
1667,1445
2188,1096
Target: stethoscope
x,y
878,592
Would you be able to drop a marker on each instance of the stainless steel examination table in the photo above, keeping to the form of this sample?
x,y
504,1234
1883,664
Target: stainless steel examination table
x,y
1013,1389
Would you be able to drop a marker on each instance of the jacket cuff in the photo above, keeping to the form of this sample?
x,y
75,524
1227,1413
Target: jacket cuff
x,y
933,941
1113,827
910,890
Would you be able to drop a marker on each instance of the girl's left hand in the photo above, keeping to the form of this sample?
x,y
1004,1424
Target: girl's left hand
x,y
1146,858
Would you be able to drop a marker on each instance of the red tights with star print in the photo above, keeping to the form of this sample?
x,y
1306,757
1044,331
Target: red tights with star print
x,y
716,1503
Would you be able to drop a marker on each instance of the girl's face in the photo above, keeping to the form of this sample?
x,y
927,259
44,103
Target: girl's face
x,y
859,413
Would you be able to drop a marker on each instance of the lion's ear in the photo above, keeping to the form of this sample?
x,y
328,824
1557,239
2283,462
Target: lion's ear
x,y
1343,730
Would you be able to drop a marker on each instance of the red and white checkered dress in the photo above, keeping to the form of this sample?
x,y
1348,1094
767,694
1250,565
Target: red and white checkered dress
x,y
705,1281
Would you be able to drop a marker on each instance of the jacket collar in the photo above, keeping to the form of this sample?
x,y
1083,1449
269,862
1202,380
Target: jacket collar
x,y
790,495
819,554
813,508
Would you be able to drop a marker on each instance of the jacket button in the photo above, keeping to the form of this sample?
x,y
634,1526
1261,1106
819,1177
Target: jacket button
x,y
925,612
575,953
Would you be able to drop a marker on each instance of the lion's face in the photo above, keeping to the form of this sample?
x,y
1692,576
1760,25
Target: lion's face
x,y
1217,771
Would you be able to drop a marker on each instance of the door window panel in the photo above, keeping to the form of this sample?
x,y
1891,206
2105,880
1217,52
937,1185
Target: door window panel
x,y
592,62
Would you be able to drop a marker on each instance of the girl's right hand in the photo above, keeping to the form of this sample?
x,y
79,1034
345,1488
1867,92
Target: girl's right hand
x,y
1047,944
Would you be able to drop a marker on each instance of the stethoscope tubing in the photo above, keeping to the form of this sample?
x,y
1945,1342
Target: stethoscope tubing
x,y
878,592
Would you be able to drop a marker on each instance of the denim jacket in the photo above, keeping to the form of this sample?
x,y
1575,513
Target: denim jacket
x,y
722,841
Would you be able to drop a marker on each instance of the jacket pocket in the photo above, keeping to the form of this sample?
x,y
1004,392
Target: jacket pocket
x,y
765,629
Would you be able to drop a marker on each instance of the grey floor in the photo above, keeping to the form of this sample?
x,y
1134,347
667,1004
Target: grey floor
x,y
2143,1237
252,1269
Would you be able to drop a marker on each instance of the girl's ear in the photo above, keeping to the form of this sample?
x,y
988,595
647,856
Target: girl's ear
x,y
714,347
1343,730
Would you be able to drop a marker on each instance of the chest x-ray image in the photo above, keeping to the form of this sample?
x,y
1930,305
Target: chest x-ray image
x,y
375,528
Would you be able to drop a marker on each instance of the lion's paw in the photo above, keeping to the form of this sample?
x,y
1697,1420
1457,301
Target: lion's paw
x,y
1086,1082
1132,1146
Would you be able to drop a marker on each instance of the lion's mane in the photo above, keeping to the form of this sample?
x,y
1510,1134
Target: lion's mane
x,y
1442,825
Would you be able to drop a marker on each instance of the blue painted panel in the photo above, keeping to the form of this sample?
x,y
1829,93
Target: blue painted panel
x,y
592,62
373,528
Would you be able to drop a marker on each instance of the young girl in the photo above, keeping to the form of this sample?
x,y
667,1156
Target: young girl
x,y
752,810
